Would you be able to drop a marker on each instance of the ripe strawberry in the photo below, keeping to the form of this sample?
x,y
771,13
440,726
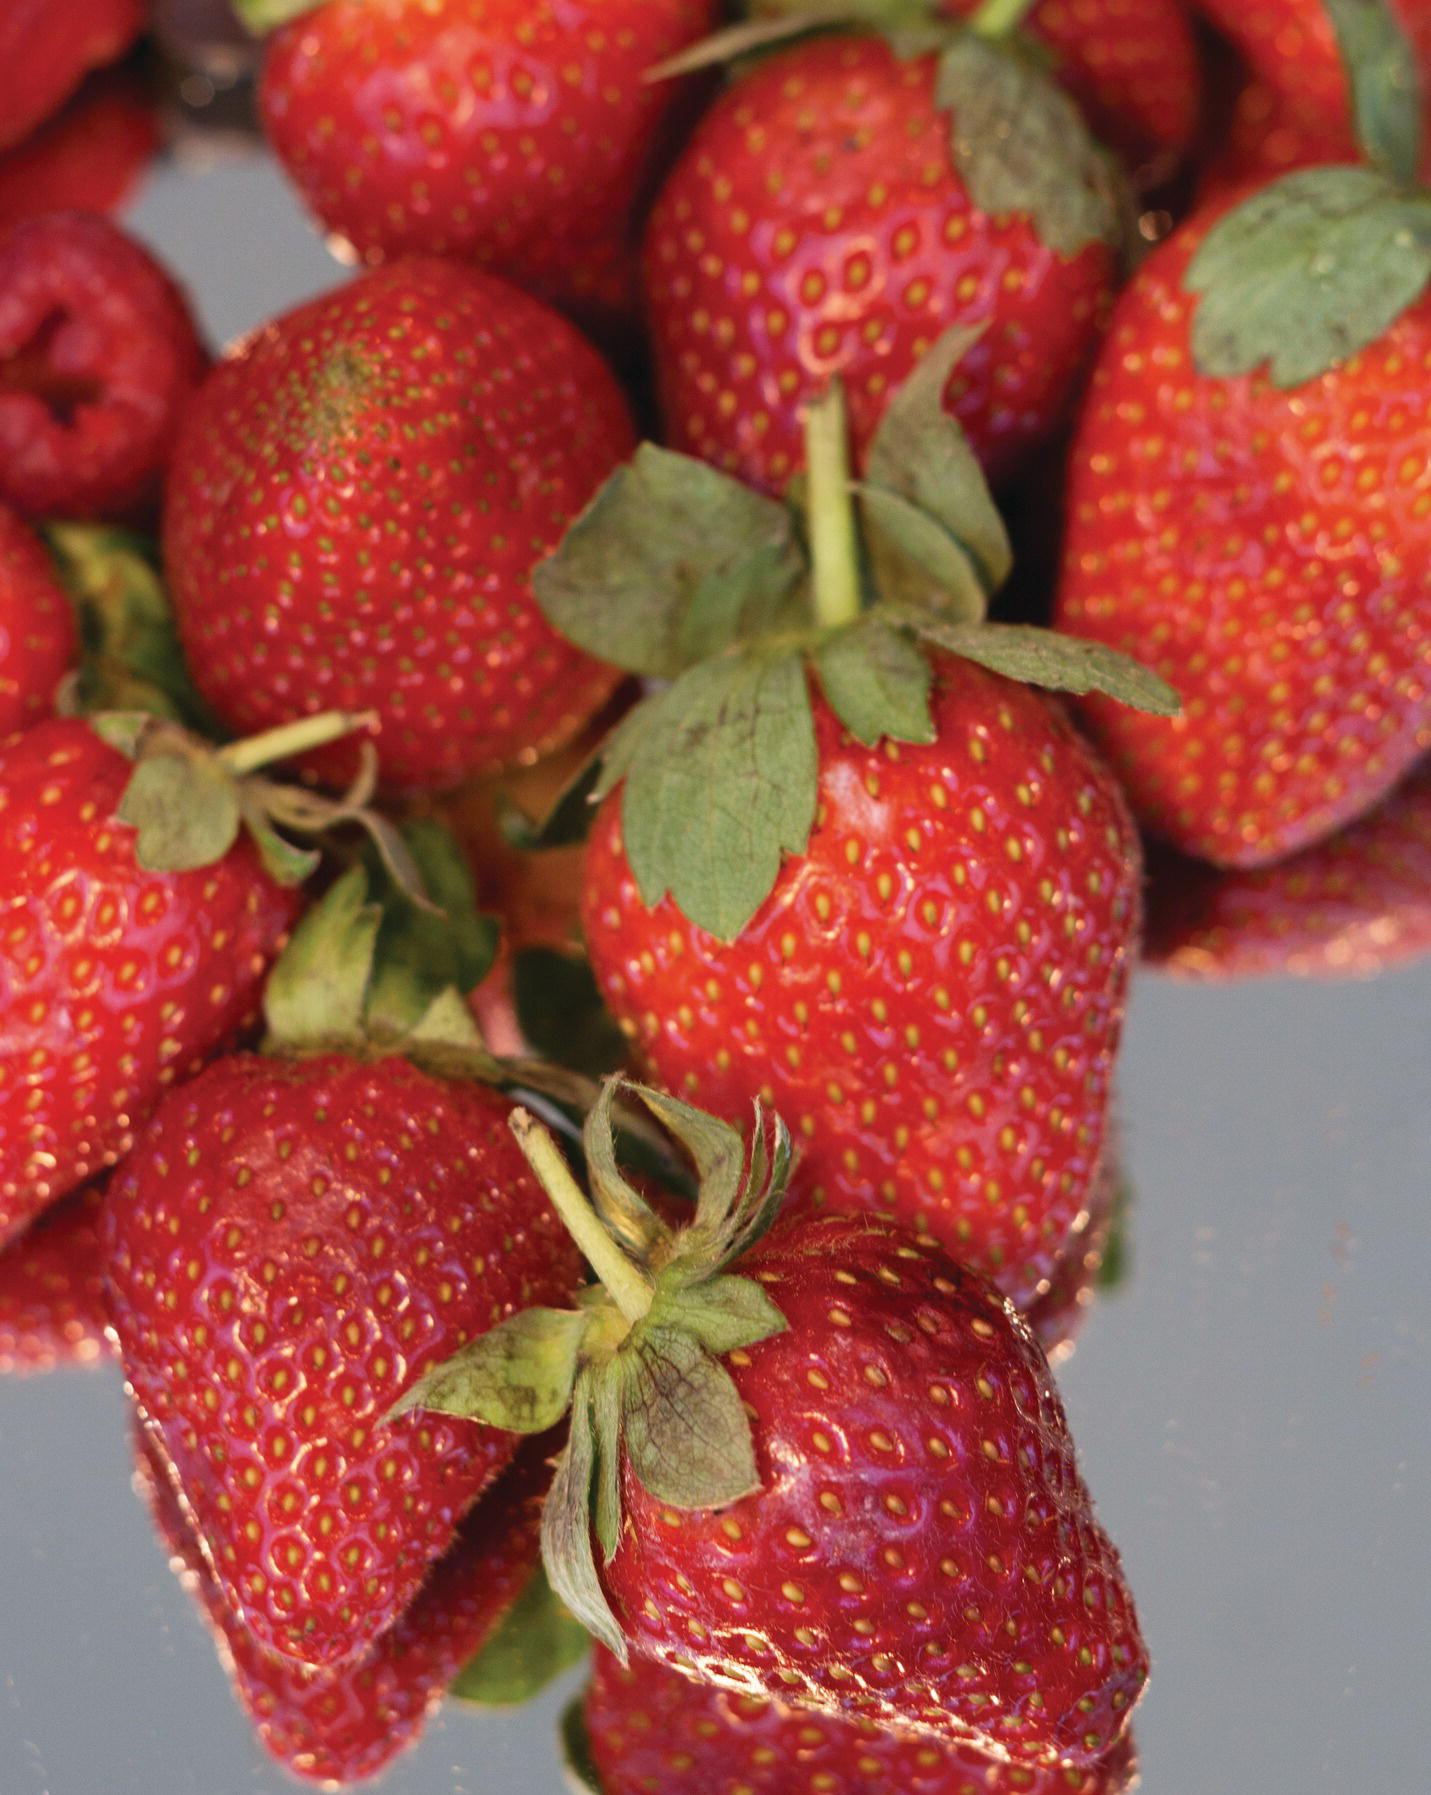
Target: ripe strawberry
x,y
39,640
825,219
518,134
52,1307
114,980
871,1505
291,1241
1246,513
1349,907
344,1725
89,157
98,350
358,497
648,1729
47,46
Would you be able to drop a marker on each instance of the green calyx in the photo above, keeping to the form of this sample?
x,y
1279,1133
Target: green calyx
x,y
636,1364
261,16
1383,84
733,600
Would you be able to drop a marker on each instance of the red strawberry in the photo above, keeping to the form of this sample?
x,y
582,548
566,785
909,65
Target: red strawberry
x,y
344,1725
649,1731
1349,907
515,133
824,219
90,157
39,640
289,1244
114,980
1249,513
46,48
358,497
52,1307
98,350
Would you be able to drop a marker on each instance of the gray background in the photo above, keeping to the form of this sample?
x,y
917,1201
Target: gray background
x,y
1250,1406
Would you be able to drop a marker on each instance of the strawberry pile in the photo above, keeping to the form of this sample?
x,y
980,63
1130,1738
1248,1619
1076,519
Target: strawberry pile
x,y
578,812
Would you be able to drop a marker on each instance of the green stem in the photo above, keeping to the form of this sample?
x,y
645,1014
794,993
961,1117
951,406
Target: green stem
x,y
830,510
997,18
627,1287
288,739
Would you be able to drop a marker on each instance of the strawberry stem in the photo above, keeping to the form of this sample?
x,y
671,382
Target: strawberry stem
x,y
830,510
997,18
288,739
627,1287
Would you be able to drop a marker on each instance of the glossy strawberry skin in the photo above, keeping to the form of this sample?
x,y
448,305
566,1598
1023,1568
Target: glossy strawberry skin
x,y
47,46
39,638
290,1243
345,1725
1269,554
652,1730
358,498
922,1552
513,133
114,982
52,1305
932,994
814,226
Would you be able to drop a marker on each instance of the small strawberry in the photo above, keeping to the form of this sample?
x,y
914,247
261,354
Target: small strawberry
x,y
646,1730
1349,907
47,47
98,350
52,1307
517,134
39,640
838,208
828,1464
358,497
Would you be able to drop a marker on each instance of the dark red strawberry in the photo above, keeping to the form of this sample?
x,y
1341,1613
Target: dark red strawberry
x,y
343,1726
98,350
52,1305
517,134
90,157
39,640
838,209
358,498
291,1242
46,49
649,1731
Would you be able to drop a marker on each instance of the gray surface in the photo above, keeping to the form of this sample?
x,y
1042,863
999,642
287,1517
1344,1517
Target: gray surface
x,y
1250,1408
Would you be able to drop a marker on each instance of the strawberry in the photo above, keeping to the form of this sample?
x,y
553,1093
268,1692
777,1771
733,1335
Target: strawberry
x,y
1247,513
417,439
837,209
39,641
518,134
1349,907
828,1464
347,1724
52,1307
116,978
98,349
90,157
47,46
647,1729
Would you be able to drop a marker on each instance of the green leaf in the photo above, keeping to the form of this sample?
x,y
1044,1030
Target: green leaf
x,y
914,560
721,780
627,1215
608,1389
566,824
185,807
722,1312
561,1012
518,1375
687,1433
260,16
578,1767
1383,82
669,562
715,1149
283,860
1041,657
1021,145
566,1529
764,1194
316,994
422,950
1306,272
876,681
775,23
536,1642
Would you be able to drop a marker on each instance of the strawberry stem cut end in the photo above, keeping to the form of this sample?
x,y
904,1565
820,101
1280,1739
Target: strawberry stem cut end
x,y
289,739
836,594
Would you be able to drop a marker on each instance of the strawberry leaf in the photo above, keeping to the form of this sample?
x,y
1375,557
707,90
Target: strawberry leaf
x,y
259,16
721,1313
423,950
608,1394
876,681
566,1528
715,1148
1041,657
720,774
629,1218
1306,272
518,1375
1021,145
1382,79
317,992
561,1013
185,807
536,1642
686,1430
670,562
579,1771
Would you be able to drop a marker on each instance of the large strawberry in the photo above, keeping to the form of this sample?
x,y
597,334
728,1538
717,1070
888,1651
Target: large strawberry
x,y
517,134
358,497
39,641
843,204
1249,512
828,1464
847,861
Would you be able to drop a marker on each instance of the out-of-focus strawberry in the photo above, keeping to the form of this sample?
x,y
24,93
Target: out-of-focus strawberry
x,y
39,640
46,49
52,1304
90,157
